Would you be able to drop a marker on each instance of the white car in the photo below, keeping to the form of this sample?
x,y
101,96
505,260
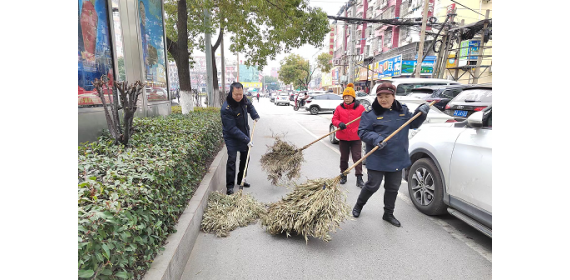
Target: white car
x,y
282,98
451,170
403,87
322,103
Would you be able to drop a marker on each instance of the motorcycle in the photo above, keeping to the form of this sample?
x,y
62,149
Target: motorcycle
x,y
298,103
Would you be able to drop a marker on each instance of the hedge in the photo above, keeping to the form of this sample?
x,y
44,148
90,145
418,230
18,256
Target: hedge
x,y
130,199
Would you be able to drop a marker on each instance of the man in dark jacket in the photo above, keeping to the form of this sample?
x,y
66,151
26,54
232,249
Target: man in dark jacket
x,y
236,132
388,161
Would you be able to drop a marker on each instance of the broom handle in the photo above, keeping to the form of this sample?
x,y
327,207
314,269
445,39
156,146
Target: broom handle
x,y
384,141
247,158
326,135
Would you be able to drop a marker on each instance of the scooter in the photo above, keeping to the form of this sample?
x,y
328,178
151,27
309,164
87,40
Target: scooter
x,y
298,103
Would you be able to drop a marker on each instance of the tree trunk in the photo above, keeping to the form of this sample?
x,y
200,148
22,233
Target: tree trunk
x,y
218,95
179,50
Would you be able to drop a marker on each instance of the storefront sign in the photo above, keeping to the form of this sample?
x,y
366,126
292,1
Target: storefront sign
x,y
451,61
391,67
326,80
251,84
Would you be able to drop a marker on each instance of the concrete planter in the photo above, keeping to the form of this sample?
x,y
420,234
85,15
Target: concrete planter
x,y
169,265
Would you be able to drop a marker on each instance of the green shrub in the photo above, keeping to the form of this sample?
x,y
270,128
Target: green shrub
x,y
130,199
176,110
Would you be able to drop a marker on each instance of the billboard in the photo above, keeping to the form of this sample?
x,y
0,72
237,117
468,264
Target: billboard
x,y
94,51
391,67
248,74
152,40
409,65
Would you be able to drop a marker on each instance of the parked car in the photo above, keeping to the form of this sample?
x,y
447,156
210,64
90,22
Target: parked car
x,y
282,98
470,100
451,170
442,94
272,96
361,93
403,87
322,103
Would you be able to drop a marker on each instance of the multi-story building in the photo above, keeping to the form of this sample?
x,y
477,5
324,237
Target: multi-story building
x,y
391,50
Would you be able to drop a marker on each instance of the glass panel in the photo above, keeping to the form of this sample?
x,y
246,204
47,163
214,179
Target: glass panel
x,y
94,52
117,30
404,89
154,61
475,95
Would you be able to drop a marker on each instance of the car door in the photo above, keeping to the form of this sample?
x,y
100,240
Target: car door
x,y
470,172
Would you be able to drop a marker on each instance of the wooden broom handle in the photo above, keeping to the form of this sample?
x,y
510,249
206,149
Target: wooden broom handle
x,y
326,135
384,141
248,151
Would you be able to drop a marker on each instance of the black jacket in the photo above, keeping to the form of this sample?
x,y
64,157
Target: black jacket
x,y
234,120
377,124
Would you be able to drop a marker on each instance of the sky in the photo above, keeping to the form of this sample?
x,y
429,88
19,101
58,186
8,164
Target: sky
x,y
331,7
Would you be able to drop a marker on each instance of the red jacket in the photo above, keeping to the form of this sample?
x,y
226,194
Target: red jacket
x,y
346,113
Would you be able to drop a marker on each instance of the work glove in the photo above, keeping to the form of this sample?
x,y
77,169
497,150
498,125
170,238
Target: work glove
x,y
381,145
424,109
256,120
342,126
250,144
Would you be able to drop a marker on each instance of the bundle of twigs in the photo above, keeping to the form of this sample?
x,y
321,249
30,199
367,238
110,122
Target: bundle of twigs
x,y
284,159
314,208
228,212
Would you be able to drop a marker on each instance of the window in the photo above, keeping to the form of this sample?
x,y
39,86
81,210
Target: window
x,y
450,93
404,89
475,95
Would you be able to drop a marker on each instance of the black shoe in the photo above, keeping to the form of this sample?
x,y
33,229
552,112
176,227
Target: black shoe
x,y
391,219
342,179
359,181
356,211
230,191
246,185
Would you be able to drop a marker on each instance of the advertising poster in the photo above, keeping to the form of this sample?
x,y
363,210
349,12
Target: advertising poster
x,y
94,51
249,74
154,61
409,65
391,67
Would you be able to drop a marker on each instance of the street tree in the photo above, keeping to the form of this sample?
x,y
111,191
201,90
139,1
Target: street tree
x,y
324,62
260,29
296,71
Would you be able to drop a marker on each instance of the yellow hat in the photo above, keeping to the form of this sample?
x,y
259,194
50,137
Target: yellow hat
x,y
349,90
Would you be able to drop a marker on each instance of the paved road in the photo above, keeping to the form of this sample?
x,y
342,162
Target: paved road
x,y
364,248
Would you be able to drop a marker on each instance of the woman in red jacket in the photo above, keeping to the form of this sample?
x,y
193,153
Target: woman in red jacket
x,y
349,142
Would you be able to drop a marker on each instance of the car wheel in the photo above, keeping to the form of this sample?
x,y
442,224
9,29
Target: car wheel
x,y
332,137
365,103
426,188
314,110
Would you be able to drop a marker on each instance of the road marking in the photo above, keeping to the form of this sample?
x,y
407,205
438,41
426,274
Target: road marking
x,y
447,227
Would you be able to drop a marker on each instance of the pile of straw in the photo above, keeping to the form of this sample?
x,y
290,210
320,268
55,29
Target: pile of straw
x,y
314,208
282,159
228,212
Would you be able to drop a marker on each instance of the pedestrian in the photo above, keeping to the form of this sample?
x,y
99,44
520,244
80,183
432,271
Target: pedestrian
x,y
387,162
236,133
178,95
349,142
258,97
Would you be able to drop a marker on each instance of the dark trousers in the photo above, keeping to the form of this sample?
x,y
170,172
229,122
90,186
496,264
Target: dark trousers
x,y
391,187
231,166
350,147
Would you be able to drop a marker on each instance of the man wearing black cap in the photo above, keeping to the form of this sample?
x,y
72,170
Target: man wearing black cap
x,y
387,162
236,132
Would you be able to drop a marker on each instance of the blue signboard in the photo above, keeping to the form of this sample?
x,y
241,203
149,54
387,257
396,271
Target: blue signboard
x,y
391,67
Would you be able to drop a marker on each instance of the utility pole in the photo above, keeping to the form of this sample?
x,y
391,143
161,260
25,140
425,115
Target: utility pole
x,y
418,68
209,67
351,57
237,78
457,56
481,51
223,70
446,41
